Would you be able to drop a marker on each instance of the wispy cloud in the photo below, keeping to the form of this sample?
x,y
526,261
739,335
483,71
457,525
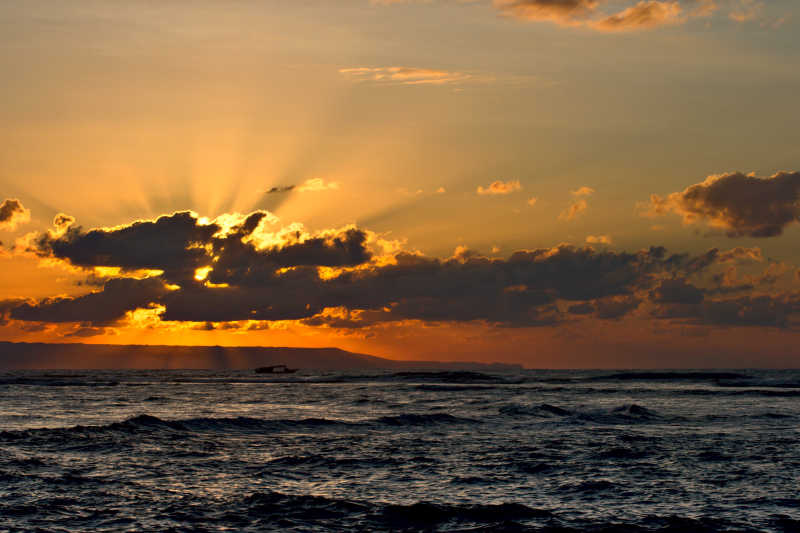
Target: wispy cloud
x,y
312,185
641,15
318,184
598,239
564,12
579,203
583,191
575,208
746,10
644,15
500,187
405,75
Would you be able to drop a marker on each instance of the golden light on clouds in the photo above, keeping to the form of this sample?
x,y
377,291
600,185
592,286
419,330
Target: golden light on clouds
x,y
405,75
301,172
500,188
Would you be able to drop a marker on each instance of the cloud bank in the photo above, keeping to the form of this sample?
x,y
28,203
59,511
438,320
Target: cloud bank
x,y
247,268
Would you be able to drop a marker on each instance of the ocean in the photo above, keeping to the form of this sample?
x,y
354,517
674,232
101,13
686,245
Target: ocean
x,y
556,451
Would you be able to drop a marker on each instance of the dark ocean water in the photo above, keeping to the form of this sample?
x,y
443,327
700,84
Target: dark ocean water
x,y
532,451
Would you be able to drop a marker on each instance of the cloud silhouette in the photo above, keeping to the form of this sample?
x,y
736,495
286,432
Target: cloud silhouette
x,y
241,268
12,214
107,306
741,205
279,190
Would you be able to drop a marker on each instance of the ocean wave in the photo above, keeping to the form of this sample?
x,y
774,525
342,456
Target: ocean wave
x,y
451,376
629,413
307,512
671,376
423,419
57,382
542,410
410,517
454,388
326,461
148,424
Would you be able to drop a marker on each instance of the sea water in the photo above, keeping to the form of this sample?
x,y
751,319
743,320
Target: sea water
x,y
410,451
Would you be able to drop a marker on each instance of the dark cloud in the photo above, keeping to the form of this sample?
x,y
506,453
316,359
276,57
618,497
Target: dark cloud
x,y
180,243
581,309
6,306
242,263
172,243
87,331
290,301
98,308
278,190
617,307
773,311
235,271
746,311
741,205
676,291
13,213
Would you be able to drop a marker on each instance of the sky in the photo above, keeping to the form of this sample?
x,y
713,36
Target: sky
x,y
555,183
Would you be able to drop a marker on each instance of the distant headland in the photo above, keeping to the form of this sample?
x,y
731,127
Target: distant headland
x,y
68,356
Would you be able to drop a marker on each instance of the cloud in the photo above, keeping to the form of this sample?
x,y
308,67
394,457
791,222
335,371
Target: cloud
x,y
317,185
279,190
620,15
405,75
644,15
239,268
748,311
705,8
583,191
575,208
500,187
88,331
172,243
616,307
741,205
564,12
12,214
107,306
578,205
581,309
676,291
598,239
311,185
746,10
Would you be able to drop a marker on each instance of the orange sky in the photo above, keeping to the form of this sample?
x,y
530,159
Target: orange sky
x,y
482,180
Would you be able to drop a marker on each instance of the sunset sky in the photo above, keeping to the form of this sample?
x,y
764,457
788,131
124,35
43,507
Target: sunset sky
x,y
557,183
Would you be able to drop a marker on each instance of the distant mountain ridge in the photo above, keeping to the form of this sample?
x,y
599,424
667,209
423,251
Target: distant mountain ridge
x,y
75,356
